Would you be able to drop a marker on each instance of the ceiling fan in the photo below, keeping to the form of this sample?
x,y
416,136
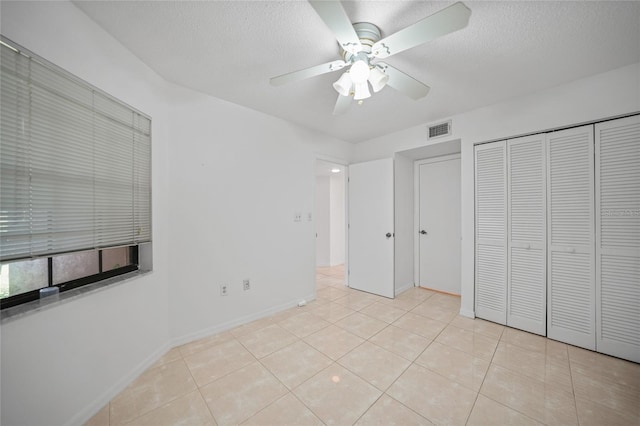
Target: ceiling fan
x,y
361,45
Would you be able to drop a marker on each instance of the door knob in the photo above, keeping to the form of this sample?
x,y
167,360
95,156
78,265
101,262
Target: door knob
x,y
423,232
388,235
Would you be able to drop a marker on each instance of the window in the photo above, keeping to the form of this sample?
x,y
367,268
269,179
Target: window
x,y
75,180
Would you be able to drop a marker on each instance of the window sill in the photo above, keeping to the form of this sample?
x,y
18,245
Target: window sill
x,y
15,312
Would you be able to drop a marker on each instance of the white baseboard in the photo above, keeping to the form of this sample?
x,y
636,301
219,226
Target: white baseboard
x,y
89,411
218,328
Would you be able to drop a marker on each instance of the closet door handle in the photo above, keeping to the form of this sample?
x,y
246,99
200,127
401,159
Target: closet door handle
x,y
423,232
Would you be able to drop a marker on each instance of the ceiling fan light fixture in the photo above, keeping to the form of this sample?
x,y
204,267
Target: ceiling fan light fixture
x,y
359,72
378,79
343,84
361,91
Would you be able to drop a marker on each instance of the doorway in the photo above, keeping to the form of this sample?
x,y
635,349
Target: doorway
x,y
438,223
330,223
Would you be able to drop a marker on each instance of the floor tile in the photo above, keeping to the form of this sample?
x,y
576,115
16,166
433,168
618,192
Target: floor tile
x,y
287,411
186,410
171,355
432,396
404,303
383,312
205,343
333,341
337,396
357,300
251,327
152,389
389,412
467,341
361,325
531,397
330,293
420,325
417,293
295,363
488,412
213,363
605,368
401,342
623,399
332,312
241,394
592,413
529,341
435,311
535,365
303,324
101,418
455,365
374,364
267,340
487,328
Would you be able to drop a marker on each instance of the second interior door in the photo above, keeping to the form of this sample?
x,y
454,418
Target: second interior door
x,y
439,224
371,239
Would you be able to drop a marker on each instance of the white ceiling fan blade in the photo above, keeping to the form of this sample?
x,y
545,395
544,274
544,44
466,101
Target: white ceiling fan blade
x,y
333,14
342,105
404,83
446,21
307,73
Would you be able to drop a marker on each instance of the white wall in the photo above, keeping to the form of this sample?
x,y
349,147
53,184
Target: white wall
x,y
62,364
404,227
322,218
234,191
337,215
224,195
604,95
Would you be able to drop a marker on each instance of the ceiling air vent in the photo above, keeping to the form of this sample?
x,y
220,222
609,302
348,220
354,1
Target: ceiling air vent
x,y
441,129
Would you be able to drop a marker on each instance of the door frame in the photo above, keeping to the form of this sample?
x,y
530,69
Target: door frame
x,y
416,208
345,167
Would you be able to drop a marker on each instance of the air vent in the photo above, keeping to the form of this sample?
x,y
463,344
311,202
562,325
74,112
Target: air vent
x,y
438,130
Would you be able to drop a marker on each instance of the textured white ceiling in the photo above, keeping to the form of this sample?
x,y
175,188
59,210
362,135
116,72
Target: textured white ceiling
x,y
230,49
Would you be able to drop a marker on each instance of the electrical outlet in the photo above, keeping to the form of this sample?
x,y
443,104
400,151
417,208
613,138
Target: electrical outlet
x,y
246,285
297,217
224,290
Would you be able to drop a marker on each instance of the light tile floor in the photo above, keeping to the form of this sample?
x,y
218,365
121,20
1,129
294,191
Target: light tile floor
x,y
355,358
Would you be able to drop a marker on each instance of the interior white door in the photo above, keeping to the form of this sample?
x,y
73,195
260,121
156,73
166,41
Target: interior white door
x,y
371,245
491,231
439,224
618,238
526,271
571,257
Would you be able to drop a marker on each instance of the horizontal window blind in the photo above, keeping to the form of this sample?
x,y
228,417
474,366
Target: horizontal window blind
x,y
75,164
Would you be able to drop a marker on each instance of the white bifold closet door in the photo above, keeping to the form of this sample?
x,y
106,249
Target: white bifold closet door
x,y
526,270
491,231
618,237
571,257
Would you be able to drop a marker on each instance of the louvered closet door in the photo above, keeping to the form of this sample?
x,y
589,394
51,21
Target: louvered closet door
x,y
571,275
526,283
618,237
491,232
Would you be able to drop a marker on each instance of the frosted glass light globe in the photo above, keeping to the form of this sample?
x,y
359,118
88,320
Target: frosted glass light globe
x,y
359,72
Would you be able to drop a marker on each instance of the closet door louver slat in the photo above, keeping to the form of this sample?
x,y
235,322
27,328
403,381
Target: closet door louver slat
x,y
618,237
570,200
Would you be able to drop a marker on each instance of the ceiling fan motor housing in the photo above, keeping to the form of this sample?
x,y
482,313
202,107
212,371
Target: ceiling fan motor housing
x,y
368,35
